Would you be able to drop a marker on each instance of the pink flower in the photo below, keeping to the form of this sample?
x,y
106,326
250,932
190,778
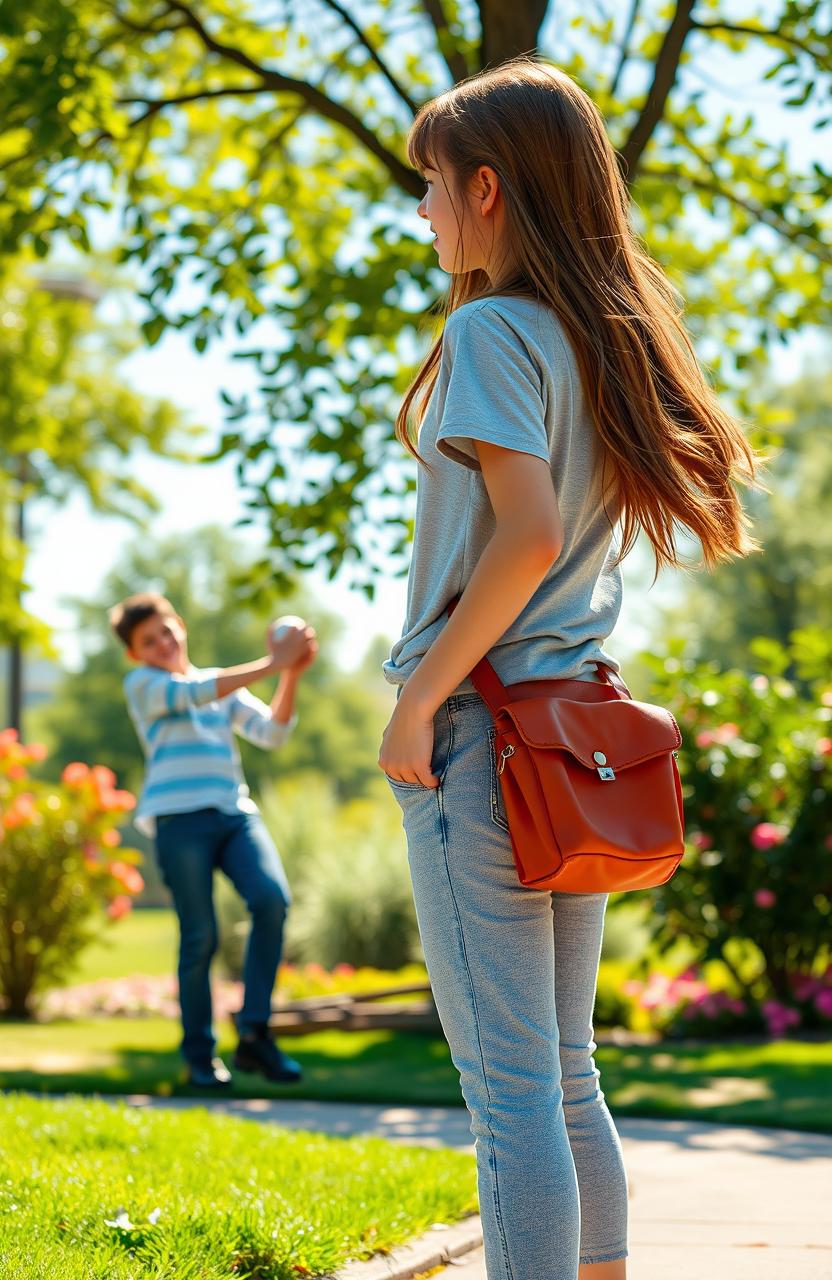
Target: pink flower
x,y
119,907
726,732
823,746
823,1002
764,897
36,751
701,841
705,739
779,1017
767,834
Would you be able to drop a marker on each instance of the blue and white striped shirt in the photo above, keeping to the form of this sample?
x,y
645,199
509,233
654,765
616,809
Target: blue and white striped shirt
x,y
187,734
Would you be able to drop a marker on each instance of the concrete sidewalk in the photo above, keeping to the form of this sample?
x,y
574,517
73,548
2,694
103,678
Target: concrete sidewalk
x,y
705,1200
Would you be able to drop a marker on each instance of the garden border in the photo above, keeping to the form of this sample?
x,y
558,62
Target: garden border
x,y
432,1249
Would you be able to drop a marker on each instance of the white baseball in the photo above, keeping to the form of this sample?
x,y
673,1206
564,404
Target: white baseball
x,y
283,625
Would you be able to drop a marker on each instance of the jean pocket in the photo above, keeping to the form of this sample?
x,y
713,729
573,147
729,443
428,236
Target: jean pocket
x,y
406,786
498,810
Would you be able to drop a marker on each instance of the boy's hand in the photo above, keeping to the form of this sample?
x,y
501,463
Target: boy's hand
x,y
294,648
297,668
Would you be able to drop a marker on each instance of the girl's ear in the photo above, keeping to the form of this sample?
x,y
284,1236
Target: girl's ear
x,y
487,189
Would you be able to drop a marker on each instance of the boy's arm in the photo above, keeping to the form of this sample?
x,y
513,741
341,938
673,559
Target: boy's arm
x,y
157,693
257,722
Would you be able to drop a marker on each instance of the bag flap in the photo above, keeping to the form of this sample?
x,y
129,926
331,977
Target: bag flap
x,y
624,730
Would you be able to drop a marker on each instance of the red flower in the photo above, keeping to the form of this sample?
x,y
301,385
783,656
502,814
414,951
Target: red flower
x,y
127,875
119,907
765,897
103,777
75,774
21,811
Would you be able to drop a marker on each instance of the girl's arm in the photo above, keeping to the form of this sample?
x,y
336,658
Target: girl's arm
x,y
526,542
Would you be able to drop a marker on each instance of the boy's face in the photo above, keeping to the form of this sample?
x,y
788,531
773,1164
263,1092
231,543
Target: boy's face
x,y
160,641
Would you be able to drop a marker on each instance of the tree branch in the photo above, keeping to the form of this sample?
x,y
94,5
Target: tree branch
x,y
155,105
406,177
412,106
454,59
756,211
625,47
738,28
664,78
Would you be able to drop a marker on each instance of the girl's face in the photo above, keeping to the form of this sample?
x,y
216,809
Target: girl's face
x,y
472,247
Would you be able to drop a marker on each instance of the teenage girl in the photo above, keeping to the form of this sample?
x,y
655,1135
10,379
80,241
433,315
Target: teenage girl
x,y
562,395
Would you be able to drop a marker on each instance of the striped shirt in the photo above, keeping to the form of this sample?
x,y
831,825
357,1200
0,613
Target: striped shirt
x,y
187,734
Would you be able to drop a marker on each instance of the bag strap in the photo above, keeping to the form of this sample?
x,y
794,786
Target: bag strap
x,y
495,694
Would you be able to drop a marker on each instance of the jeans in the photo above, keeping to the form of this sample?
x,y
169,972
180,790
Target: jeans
x,y
514,974
188,848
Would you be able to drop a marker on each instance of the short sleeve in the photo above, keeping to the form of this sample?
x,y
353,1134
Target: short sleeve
x,y
492,389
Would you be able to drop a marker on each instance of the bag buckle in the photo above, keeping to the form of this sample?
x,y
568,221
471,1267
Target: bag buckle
x,y
605,772
504,755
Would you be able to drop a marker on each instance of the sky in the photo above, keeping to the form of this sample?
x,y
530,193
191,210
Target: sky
x,y
73,549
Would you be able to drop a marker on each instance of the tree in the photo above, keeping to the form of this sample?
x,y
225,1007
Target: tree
x,y
67,422
789,586
256,154
341,718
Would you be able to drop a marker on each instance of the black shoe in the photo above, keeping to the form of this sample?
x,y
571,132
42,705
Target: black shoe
x,y
211,1074
257,1052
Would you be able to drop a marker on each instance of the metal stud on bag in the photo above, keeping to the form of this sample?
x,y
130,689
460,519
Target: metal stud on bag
x,y
605,774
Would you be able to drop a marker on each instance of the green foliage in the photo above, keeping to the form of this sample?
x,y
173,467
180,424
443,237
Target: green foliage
x,y
347,868
788,586
67,422
755,763
261,165
57,869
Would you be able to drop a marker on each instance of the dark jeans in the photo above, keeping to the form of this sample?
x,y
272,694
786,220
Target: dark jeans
x,y
188,848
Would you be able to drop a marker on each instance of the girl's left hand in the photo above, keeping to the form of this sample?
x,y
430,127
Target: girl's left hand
x,y
407,747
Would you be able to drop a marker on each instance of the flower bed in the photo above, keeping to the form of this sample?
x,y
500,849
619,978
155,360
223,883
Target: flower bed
x,y
686,1005
144,996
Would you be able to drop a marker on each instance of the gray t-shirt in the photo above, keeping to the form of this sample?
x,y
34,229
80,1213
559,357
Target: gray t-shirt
x,y
508,375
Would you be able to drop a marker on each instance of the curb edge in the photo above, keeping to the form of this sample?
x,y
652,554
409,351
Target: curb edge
x,y
429,1250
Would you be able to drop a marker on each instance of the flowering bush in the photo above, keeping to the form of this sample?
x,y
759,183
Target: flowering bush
x,y
756,765
685,1005
57,868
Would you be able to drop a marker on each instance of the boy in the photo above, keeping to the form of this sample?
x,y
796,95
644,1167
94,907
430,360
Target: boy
x,y
196,804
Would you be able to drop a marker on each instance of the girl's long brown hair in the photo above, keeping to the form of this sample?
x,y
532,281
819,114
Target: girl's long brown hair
x,y
671,451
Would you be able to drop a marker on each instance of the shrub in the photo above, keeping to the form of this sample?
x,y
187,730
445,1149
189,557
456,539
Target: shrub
x,y
352,901
756,763
59,870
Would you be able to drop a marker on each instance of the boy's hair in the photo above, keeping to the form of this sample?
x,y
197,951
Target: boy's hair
x,y
126,616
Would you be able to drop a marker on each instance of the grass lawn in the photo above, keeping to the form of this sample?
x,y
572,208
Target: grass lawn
x,y
89,1190
783,1083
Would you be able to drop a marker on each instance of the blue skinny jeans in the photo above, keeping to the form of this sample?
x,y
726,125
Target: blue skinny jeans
x,y
189,846
514,974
